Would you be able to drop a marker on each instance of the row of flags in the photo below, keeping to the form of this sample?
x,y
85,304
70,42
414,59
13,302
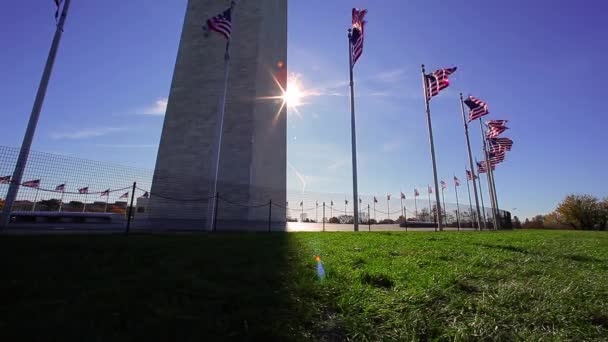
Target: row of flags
x,y
35,184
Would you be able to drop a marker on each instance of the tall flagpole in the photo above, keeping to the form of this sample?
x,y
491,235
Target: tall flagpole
x,y
35,199
428,120
488,173
61,200
483,207
416,206
26,145
457,204
443,201
430,211
353,133
219,129
497,210
402,208
466,133
470,203
388,207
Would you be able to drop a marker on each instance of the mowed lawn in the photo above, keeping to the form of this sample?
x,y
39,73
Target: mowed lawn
x,y
520,285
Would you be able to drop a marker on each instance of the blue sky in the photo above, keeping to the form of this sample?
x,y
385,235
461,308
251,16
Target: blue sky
x,y
538,64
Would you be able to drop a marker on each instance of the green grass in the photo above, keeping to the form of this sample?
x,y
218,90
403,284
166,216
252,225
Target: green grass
x,y
524,285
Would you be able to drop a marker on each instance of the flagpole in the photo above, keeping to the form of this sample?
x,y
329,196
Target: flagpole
x,y
483,207
26,145
61,200
466,133
105,209
470,203
416,206
402,211
86,194
388,207
428,119
35,199
317,212
488,173
485,141
219,130
444,211
353,132
430,211
457,204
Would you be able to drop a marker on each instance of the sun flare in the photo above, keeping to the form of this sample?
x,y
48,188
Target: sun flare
x,y
292,96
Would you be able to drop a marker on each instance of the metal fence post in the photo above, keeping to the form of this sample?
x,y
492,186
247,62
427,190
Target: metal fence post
x,y
369,219
323,216
217,197
131,209
269,214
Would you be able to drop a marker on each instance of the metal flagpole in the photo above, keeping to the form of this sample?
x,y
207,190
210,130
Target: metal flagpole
x,y
375,210
416,206
219,130
86,194
488,173
498,220
388,207
24,152
430,211
331,209
61,200
353,133
445,213
35,199
402,210
317,211
483,207
470,203
466,133
457,204
105,208
428,119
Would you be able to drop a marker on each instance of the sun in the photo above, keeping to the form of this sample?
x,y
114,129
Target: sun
x,y
292,96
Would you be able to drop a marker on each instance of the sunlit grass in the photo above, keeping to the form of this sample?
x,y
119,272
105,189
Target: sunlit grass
x,y
411,286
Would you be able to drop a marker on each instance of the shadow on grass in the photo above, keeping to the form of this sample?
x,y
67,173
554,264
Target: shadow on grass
x,y
507,248
159,287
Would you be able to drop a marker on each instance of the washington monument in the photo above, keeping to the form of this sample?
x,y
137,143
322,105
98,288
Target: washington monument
x,y
252,167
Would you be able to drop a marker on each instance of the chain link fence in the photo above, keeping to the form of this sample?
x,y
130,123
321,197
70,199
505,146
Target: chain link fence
x,y
61,190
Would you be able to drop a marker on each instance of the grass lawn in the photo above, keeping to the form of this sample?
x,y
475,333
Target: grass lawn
x,y
522,285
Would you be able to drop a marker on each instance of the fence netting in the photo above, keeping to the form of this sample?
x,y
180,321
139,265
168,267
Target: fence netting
x,y
56,188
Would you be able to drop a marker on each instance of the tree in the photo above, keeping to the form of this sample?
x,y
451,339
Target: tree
x,y
581,211
516,223
537,222
554,220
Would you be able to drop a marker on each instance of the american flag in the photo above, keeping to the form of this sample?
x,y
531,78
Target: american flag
x,y
443,185
346,202
32,184
105,193
402,195
437,81
416,193
60,188
360,200
477,108
147,195
125,195
481,167
496,157
498,144
5,180
83,190
457,181
494,132
375,199
470,175
356,38
57,4
331,203
496,123
388,197
430,190
302,204
221,23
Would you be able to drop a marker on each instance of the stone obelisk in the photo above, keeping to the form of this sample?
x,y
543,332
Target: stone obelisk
x,y
253,160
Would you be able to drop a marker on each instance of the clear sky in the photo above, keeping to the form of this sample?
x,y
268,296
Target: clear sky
x,y
539,64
